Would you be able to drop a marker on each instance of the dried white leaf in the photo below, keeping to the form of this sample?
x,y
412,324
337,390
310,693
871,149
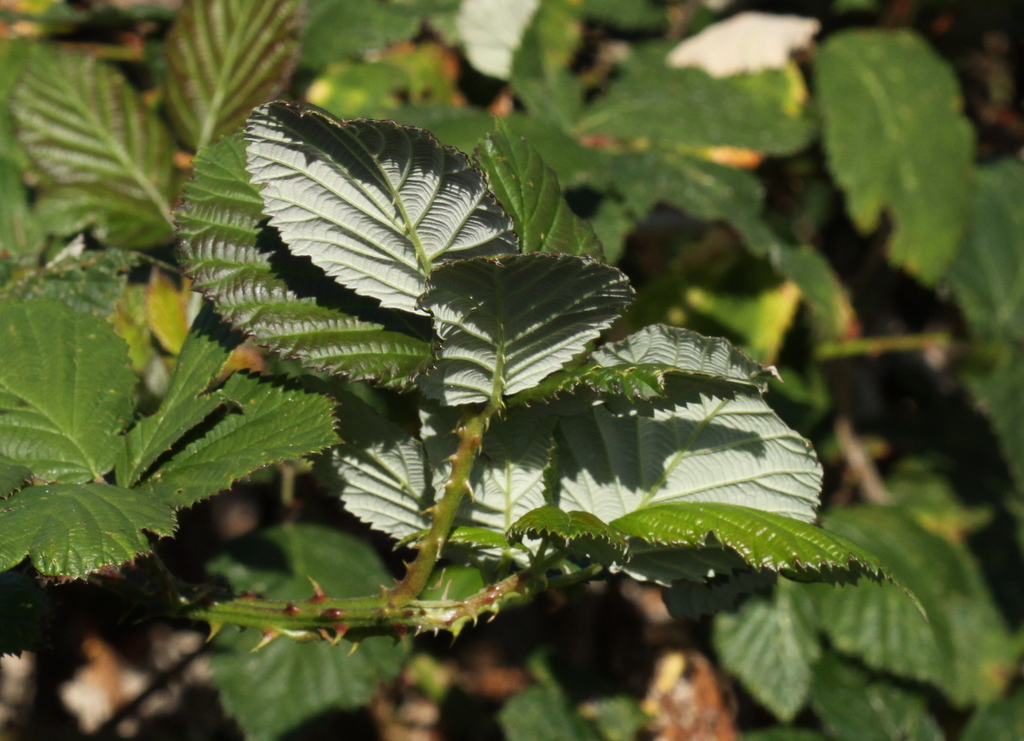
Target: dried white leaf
x,y
746,42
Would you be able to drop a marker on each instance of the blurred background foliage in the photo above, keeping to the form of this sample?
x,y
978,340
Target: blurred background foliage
x,y
834,185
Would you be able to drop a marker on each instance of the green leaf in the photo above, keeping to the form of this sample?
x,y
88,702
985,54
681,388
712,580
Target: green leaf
x,y
23,607
334,31
543,713
20,232
988,275
580,531
629,15
699,445
685,352
287,685
541,73
185,404
276,423
382,473
261,291
852,709
780,733
75,529
689,108
12,476
14,55
686,598
529,190
65,390
506,324
91,282
963,648
771,646
765,540
999,392
83,126
629,381
113,216
376,205
889,103
1000,721
224,58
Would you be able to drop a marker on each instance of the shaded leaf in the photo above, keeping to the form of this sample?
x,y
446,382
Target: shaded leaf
x,y
83,126
988,275
686,598
225,57
91,282
12,476
771,646
889,103
20,231
76,529
1000,721
65,390
765,540
287,685
854,709
23,607
114,217
376,205
530,192
999,392
235,263
543,713
506,324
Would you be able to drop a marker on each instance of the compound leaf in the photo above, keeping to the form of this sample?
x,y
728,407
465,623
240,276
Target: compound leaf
x,y
988,275
225,57
507,323
83,126
65,390
275,423
375,204
233,261
889,103
74,529
530,192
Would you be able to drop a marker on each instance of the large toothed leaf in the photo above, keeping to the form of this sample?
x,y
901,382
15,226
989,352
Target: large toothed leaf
x,y
271,423
262,290
988,275
506,324
65,390
889,103
530,192
765,540
185,404
382,474
375,204
580,531
83,126
701,444
75,529
12,476
226,57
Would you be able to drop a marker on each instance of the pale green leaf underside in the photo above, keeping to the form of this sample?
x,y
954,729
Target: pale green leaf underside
x,y
505,324
988,275
83,125
382,473
530,192
699,445
65,390
889,103
764,540
224,58
772,646
686,352
275,423
74,529
223,249
375,204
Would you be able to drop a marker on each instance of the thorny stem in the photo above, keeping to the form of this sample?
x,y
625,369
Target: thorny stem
x,y
471,433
